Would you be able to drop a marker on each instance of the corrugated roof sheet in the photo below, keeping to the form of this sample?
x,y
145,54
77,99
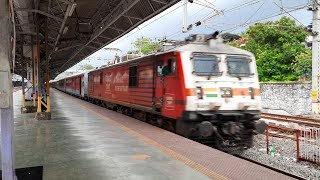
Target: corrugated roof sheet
x,y
92,25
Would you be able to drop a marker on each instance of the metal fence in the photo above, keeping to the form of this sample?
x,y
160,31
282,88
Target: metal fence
x,y
307,141
308,144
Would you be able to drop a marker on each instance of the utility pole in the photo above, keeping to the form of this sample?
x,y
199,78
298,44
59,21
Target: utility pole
x,y
6,102
315,57
185,15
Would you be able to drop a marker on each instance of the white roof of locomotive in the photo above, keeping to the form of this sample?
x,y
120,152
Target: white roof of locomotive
x,y
218,47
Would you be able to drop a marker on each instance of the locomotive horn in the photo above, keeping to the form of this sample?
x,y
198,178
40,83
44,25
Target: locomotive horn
x,y
213,36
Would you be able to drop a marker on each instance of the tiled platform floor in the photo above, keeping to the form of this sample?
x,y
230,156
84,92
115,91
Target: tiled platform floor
x,y
77,144
82,141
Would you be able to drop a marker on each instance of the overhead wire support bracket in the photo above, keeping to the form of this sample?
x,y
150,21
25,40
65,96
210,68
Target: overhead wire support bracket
x,y
189,27
185,14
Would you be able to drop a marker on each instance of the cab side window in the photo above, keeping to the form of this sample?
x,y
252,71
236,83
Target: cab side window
x,y
172,66
133,76
101,77
167,68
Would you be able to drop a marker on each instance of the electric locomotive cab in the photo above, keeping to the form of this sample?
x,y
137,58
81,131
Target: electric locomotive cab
x,y
223,95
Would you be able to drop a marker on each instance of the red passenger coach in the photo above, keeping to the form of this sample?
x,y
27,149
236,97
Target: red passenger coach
x,y
75,85
136,84
61,84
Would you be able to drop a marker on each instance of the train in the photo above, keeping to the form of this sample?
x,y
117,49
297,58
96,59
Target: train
x,y
200,88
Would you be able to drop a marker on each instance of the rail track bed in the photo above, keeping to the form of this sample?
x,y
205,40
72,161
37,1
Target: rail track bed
x,y
286,134
292,119
283,160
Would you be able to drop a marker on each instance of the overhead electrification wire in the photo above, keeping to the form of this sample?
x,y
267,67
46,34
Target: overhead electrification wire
x,y
248,3
208,2
150,23
282,9
204,5
235,7
262,19
254,13
316,2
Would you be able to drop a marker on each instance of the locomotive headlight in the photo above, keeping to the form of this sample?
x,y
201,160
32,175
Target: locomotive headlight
x,y
251,92
225,92
199,93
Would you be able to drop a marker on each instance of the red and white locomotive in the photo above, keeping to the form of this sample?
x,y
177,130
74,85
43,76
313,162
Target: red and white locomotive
x,y
201,89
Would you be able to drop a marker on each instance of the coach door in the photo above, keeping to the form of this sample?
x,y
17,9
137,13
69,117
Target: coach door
x,y
159,85
81,86
166,68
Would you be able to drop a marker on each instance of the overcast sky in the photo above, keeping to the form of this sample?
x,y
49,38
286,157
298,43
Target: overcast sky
x,y
237,17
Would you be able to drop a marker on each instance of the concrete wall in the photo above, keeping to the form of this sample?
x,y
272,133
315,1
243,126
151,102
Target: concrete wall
x,y
286,98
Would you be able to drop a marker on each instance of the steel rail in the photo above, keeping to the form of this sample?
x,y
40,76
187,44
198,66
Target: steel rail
x,y
292,119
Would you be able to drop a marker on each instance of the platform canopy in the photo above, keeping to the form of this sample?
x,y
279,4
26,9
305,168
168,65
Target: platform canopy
x,y
76,28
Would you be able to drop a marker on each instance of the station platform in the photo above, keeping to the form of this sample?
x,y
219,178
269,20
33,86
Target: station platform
x,y
85,141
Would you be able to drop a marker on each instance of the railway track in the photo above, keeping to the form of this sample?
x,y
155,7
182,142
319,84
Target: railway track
x,y
270,167
292,119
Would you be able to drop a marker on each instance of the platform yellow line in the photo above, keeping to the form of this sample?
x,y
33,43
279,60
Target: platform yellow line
x,y
196,166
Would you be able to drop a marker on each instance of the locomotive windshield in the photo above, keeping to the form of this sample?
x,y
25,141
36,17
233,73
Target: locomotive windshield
x,y
206,65
238,66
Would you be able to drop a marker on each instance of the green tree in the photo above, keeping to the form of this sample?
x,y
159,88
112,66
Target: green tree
x,y
145,46
276,45
303,64
86,67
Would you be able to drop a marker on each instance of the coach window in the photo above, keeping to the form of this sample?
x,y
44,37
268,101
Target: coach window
x,y
133,76
101,77
172,66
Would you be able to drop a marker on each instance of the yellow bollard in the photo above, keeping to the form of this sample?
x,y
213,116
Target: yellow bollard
x,y
34,100
48,104
39,104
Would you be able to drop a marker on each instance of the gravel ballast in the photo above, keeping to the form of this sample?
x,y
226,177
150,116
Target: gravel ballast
x,y
284,157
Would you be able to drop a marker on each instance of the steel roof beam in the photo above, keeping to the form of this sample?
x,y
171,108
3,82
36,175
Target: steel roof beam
x,y
151,6
133,17
66,15
119,11
98,12
159,1
67,2
26,33
130,21
117,29
25,24
39,12
99,43
67,48
91,47
104,37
